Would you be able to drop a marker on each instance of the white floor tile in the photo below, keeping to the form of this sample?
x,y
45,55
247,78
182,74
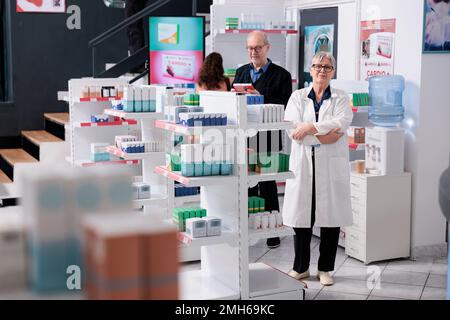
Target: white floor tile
x,y
284,266
310,294
402,277
344,285
356,273
394,290
423,266
437,281
441,260
255,253
371,297
328,295
352,262
438,268
434,294
278,254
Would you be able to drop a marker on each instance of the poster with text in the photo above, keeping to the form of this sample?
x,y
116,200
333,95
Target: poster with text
x,y
377,48
43,6
176,49
317,38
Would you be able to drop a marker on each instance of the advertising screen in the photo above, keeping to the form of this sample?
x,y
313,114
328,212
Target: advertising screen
x,y
177,49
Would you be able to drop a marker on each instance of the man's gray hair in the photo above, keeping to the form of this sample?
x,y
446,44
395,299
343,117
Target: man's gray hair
x,y
319,56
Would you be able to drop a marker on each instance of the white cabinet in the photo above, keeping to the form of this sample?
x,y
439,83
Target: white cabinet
x,y
381,207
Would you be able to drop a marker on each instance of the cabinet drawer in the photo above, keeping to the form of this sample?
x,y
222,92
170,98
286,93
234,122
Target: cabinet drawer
x,y
359,217
358,198
358,185
355,251
355,236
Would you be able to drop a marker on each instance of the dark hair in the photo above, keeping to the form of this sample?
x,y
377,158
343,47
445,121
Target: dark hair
x,y
212,73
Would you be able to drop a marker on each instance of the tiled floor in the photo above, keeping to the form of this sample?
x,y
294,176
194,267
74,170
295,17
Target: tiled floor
x,y
387,280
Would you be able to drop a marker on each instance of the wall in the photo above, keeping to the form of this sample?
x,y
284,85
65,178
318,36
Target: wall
x,y
45,55
434,144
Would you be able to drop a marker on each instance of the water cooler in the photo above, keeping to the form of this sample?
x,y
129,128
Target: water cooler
x,y
384,150
385,143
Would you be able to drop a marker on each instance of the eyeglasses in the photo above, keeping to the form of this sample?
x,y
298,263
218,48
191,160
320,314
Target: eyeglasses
x,y
257,49
319,67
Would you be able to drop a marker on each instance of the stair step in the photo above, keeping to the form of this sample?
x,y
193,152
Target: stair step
x,y
14,156
4,178
61,118
40,136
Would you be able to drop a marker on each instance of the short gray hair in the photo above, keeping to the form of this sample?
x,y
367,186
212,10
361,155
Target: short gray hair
x,y
319,56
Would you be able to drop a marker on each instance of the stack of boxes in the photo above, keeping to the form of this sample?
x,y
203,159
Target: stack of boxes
x,y
356,135
265,113
129,256
205,160
183,191
359,99
180,215
268,162
98,152
102,92
141,191
232,23
139,99
200,119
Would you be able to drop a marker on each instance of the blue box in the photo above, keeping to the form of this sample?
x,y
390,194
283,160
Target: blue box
x,y
198,170
226,169
128,105
96,157
138,106
215,169
187,169
146,106
207,169
152,106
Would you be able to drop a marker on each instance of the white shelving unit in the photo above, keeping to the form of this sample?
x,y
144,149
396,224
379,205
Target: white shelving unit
x,y
83,133
231,43
226,272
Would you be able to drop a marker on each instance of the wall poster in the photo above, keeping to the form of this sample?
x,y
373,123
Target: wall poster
x,y
41,6
317,38
377,48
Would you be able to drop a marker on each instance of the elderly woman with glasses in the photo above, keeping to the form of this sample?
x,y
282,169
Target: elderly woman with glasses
x,y
320,192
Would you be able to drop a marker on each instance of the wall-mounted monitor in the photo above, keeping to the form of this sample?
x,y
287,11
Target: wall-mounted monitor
x,y
177,49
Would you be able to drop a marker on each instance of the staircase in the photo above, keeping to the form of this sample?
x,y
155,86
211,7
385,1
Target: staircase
x,y
38,146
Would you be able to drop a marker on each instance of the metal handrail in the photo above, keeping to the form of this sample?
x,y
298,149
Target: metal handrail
x,y
127,22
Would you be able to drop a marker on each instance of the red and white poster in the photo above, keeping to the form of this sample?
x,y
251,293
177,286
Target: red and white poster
x,y
43,6
377,48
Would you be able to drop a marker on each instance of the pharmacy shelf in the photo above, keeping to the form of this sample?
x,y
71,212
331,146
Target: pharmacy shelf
x,y
245,31
133,115
254,178
77,100
265,281
356,146
285,125
199,285
179,201
155,199
362,109
184,130
104,124
89,163
255,235
227,237
194,181
132,156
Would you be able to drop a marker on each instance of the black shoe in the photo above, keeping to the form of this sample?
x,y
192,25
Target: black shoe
x,y
273,243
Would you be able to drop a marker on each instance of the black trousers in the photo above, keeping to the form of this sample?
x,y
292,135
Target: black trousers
x,y
135,32
329,238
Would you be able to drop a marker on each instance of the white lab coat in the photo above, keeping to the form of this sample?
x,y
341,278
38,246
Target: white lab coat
x,y
332,168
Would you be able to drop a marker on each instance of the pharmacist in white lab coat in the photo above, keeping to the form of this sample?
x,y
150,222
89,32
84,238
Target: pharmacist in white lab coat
x,y
320,192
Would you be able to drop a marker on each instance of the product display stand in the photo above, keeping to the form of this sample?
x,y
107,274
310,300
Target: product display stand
x,y
225,269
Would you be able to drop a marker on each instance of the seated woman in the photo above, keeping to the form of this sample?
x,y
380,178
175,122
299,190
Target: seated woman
x,y
212,74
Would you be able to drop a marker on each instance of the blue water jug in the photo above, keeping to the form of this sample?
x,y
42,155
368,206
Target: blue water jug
x,y
386,106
